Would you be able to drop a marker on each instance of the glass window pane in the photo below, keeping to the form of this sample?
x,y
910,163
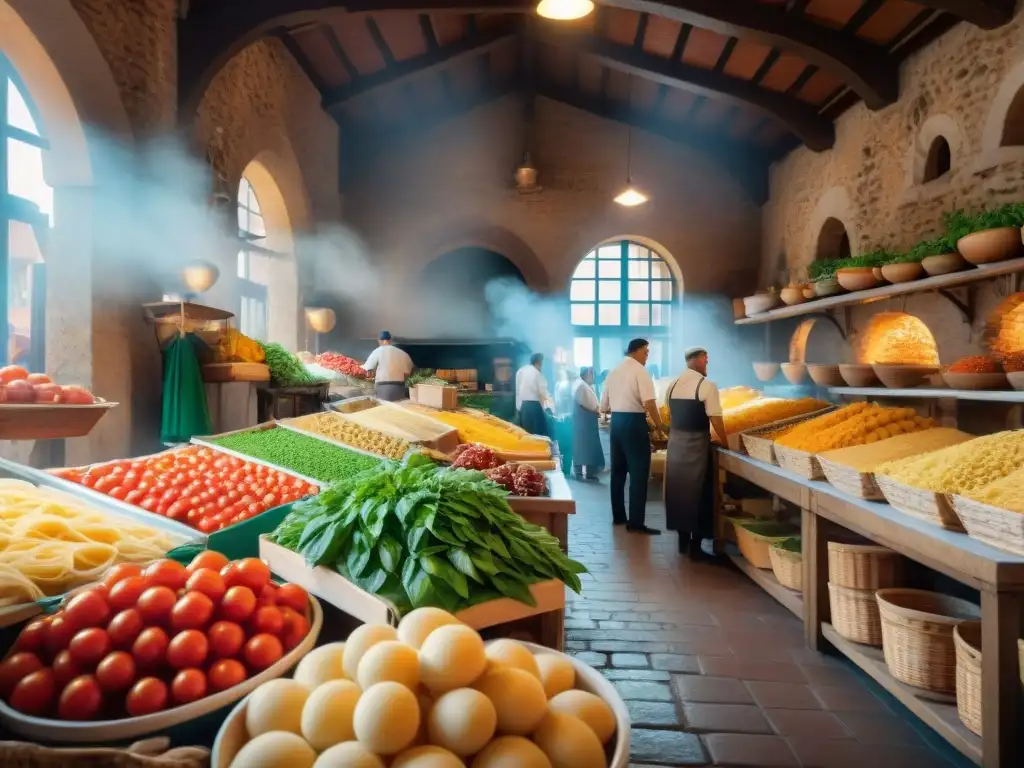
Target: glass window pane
x,y
637,251
661,314
609,269
639,314
611,349
609,290
659,270
609,314
657,365
18,114
582,314
243,221
256,225
639,290
582,290
639,269
661,290
582,351
253,204
25,175
24,264
243,264
586,268
610,251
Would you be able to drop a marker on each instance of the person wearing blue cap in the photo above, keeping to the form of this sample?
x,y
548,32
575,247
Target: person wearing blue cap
x,y
393,367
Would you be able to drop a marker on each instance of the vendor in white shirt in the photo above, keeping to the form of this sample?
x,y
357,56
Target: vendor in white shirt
x,y
689,501
532,396
393,367
588,453
629,395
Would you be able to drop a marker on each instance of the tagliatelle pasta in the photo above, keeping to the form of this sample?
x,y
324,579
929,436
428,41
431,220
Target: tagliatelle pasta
x,y
51,542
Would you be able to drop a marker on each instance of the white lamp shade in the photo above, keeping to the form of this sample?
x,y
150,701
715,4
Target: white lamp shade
x,y
631,197
564,10
199,276
321,319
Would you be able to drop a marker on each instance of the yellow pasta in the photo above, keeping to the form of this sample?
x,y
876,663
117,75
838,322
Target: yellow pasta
x,y
961,468
51,542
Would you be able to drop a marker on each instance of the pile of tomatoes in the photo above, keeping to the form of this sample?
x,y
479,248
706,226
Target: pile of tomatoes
x,y
199,486
142,641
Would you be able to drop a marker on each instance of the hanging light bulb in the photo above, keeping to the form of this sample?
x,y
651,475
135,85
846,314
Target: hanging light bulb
x,y
564,10
631,197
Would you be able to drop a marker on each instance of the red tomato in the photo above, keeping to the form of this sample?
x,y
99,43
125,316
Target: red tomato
x,y
296,627
150,647
225,674
178,510
126,593
34,694
11,373
230,571
146,696
65,668
148,504
192,611
207,525
188,685
268,619
253,573
116,672
238,604
166,573
125,627
16,667
262,650
32,637
81,699
188,649
132,497
226,639
120,493
87,609
208,582
268,596
58,634
88,646
156,603
104,484
293,596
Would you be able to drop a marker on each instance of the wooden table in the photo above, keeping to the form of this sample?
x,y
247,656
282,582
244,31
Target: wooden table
x,y
997,575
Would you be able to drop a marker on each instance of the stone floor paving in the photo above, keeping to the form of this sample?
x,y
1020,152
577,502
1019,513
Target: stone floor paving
x,y
712,669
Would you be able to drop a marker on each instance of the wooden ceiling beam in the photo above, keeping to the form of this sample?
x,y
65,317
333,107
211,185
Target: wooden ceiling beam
x,y
987,14
817,132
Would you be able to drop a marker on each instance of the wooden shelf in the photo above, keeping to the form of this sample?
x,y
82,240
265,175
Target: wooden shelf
x,y
988,396
792,601
941,717
940,282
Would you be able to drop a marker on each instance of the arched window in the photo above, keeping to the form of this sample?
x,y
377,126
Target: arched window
x,y
26,214
253,264
620,291
939,161
833,241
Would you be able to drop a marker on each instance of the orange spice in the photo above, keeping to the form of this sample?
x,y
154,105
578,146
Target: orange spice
x,y
976,364
1013,362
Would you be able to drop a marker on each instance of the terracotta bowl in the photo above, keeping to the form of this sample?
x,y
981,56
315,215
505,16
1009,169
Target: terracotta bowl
x,y
1016,380
903,273
858,375
975,381
990,245
766,371
877,272
857,278
761,302
904,376
795,373
943,264
827,288
809,293
792,296
826,375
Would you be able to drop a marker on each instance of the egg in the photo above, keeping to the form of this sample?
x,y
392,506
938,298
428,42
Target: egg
x,y
451,657
328,714
569,742
591,709
321,664
360,641
386,718
518,699
275,749
276,706
462,721
509,653
416,625
557,673
390,660
348,754
427,757
511,752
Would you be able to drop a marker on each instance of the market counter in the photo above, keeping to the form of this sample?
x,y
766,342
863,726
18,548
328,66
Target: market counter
x,y
996,574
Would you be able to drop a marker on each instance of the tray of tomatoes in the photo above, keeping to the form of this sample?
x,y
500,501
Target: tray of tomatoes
x,y
195,485
34,407
150,648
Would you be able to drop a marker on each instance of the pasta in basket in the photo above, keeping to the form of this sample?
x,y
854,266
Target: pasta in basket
x,y
51,542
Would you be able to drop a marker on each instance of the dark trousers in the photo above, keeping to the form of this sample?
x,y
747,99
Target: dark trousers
x,y
631,455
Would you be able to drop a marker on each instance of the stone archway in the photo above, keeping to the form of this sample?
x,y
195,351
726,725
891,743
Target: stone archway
x,y
492,238
935,129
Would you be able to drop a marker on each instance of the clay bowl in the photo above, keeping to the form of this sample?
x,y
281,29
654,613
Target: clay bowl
x,y
1016,380
877,272
857,278
795,373
809,293
943,264
826,375
824,288
791,296
858,375
904,272
990,245
975,381
904,376
766,371
761,302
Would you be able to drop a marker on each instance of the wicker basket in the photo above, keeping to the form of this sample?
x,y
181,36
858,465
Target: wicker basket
x,y
787,565
967,641
849,480
799,462
999,527
855,614
925,505
863,566
917,636
763,449
755,546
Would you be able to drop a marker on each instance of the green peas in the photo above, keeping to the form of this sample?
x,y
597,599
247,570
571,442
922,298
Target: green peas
x,y
299,453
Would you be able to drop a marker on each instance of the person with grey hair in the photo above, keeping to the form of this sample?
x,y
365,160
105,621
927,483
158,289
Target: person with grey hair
x,y
588,454
695,408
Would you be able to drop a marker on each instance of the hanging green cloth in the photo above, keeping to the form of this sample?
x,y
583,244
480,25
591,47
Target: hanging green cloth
x,y
185,412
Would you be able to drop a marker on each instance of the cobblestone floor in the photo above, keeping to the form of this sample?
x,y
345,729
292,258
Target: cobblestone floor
x,y
713,670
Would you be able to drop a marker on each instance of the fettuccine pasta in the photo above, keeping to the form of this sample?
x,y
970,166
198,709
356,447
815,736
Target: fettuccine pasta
x,y
51,542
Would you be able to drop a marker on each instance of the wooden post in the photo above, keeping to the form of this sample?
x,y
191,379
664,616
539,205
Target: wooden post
x,y
815,553
1001,707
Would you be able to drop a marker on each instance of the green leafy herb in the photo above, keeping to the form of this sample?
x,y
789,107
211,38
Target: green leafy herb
x,y
285,368
960,223
426,376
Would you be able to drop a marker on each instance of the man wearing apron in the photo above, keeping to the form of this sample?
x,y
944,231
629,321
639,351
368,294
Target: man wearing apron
x,y
532,397
393,367
588,454
695,407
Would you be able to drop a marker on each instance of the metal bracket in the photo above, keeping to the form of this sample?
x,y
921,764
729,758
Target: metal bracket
x,y
966,308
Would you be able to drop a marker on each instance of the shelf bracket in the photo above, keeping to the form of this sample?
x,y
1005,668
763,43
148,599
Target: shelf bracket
x,y
966,308
831,319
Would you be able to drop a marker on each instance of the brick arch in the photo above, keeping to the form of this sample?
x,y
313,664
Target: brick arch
x,y
1007,105
935,127
493,238
833,207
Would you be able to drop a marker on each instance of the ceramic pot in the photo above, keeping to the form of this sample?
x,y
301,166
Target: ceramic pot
x,y
792,296
827,288
877,272
990,245
809,293
857,278
825,375
903,272
795,373
943,264
766,371
858,375
904,376
761,302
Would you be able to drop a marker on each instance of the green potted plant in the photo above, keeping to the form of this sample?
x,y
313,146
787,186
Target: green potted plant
x,y
858,273
987,236
937,256
822,274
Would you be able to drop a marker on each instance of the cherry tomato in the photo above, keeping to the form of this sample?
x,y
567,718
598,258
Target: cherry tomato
x,y
125,627
230,571
268,619
121,572
58,634
87,609
188,685
156,603
134,495
34,694
16,667
120,492
192,611
225,674
32,637
81,699
65,668
116,672
252,573
188,649
293,596
226,639
104,484
207,525
146,696
90,645
166,573
238,604
178,510
296,627
126,593
267,597
150,647
207,581
148,504
262,650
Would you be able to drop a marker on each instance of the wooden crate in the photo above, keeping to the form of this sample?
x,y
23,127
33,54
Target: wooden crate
x,y
436,396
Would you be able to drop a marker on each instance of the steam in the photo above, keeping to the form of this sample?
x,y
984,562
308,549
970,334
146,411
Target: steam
x,y
539,322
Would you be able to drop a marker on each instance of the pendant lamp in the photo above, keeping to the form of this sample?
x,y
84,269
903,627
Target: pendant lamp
x,y
564,10
630,197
